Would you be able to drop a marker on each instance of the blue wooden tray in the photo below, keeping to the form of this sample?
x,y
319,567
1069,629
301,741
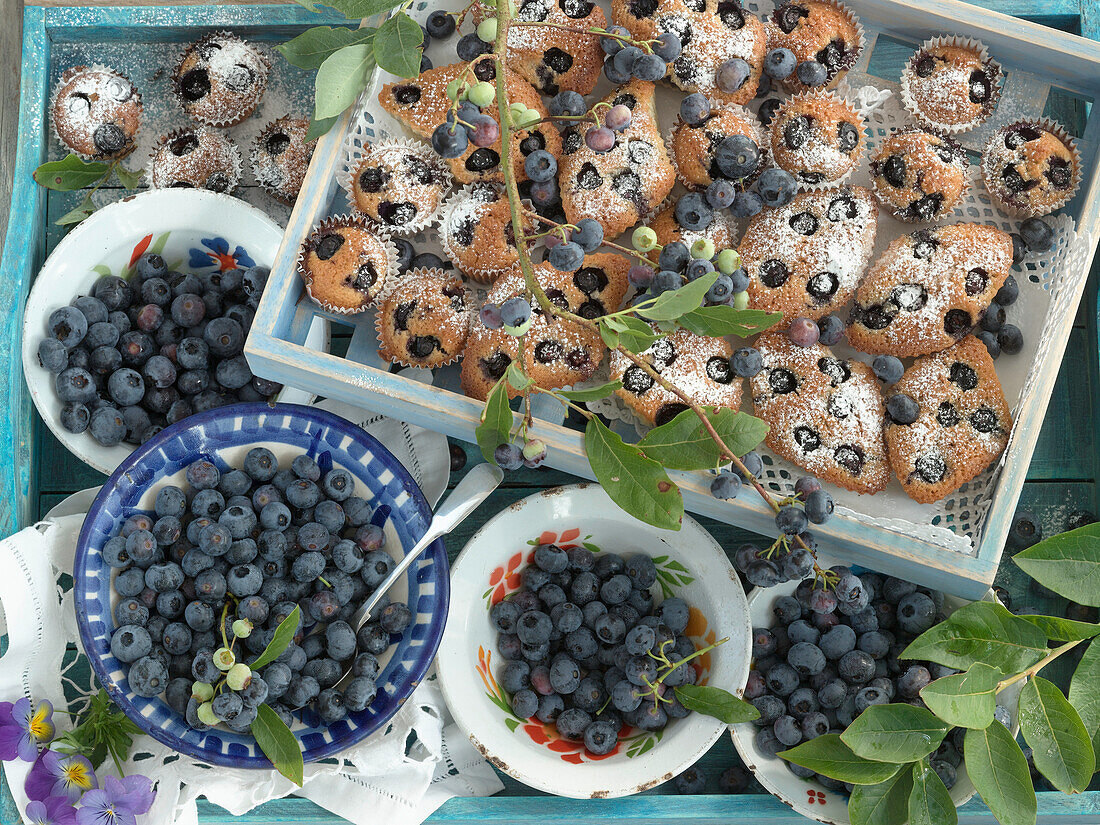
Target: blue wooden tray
x,y
1061,476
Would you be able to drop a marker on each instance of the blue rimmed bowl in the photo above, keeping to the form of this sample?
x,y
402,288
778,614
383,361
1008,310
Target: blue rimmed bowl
x,y
224,436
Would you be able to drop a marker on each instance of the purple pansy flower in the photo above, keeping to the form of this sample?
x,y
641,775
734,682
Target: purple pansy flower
x,y
217,254
60,774
22,727
55,810
119,802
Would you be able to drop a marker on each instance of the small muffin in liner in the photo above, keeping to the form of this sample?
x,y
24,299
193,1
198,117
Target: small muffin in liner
x,y
423,321
399,184
819,138
692,149
1031,167
476,231
919,175
220,79
824,31
280,157
951,84
346,262
195,157
95,112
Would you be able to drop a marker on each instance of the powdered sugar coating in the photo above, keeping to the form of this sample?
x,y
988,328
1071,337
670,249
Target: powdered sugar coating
x,y
399,184
351,277
1031,168
90,98
426,305
692,148
220,79
951,84
825,31
817,137
932,170
825,414
198,157
476,231
281,155
721,231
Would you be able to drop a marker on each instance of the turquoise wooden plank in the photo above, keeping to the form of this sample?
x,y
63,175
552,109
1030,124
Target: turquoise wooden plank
x,y
1056,456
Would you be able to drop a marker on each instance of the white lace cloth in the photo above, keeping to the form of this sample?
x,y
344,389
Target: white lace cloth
x,y
398,776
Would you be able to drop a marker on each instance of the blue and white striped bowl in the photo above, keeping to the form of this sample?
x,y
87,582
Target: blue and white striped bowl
x,y
224,436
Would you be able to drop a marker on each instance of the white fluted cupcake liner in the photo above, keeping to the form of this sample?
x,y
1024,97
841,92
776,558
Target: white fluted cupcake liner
x,y
1056,129
957,41
337,221
233,151
793,85
406,278
860,123
68,75
237,118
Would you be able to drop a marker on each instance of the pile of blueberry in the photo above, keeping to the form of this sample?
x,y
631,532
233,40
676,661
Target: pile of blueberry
x,y
834,652
588,650
625,60
143,352
205,580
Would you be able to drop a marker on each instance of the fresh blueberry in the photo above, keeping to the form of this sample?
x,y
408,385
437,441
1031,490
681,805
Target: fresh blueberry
x,y
737,156
779,63
776,187
1037,234
694,109
811,73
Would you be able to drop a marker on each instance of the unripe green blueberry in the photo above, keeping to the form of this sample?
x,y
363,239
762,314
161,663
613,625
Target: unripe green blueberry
x,y
741,300
206,714
533,448
702,249
239,676
482,93
644,239
242,628
487,29
224,658
728,261
202,692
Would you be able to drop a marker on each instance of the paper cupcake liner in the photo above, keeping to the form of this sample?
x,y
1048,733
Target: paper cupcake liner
x,y
957,41
760,135
482,274
234,155
858,118
345,177
1059,131
336,221
240,116
68,75
948,208
793,85
419,272
255,150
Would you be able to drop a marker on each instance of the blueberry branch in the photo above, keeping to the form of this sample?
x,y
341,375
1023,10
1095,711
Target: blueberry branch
x,y
563,226
1035,668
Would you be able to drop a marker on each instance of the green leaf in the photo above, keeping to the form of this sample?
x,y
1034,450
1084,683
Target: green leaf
x,y
318,127
1063,630
672,304
128,179
930,802
278,744
610,336
999,771
591,393
313,46
1068,563
885,803
496,421
965,700
722,320
684,443
284,635
516,378
78,212
1084,692
715,702
1060,743
637,484
70,173
352,9
636,335
340,80
397,45
829,756
981,632
894,733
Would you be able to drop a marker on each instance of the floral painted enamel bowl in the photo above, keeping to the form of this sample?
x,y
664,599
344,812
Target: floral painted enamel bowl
x,y
690,564
224,436
193,229
809,797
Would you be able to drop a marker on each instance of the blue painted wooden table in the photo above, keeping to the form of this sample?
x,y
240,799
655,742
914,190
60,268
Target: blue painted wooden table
x,y
1062,476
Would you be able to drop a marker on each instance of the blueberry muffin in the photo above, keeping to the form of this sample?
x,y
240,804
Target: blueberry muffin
x,y
399,184
820,30
422,105
929,289
488,354
195,158
281,156
806,258
954,422
550,58
950,84
722,229
818,138
476,231
220,79
696,364
693,147
824,413
96,112
424,320
597,288
918,175
620,187
1031,168
345,263
711,32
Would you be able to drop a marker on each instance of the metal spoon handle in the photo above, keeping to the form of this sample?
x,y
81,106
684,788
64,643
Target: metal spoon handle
x,y
463,500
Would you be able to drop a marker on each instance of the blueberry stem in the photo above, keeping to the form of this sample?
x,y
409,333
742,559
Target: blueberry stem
x,y
1035,668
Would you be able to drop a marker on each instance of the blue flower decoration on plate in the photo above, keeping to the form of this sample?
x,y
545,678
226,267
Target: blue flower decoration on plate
x,y
217,254
223,436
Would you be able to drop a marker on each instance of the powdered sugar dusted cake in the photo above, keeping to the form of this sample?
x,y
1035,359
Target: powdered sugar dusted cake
x,y
711,31
694,146
806,258
477,233
929,289
620,187
817,137
962,426
697,365
825,414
